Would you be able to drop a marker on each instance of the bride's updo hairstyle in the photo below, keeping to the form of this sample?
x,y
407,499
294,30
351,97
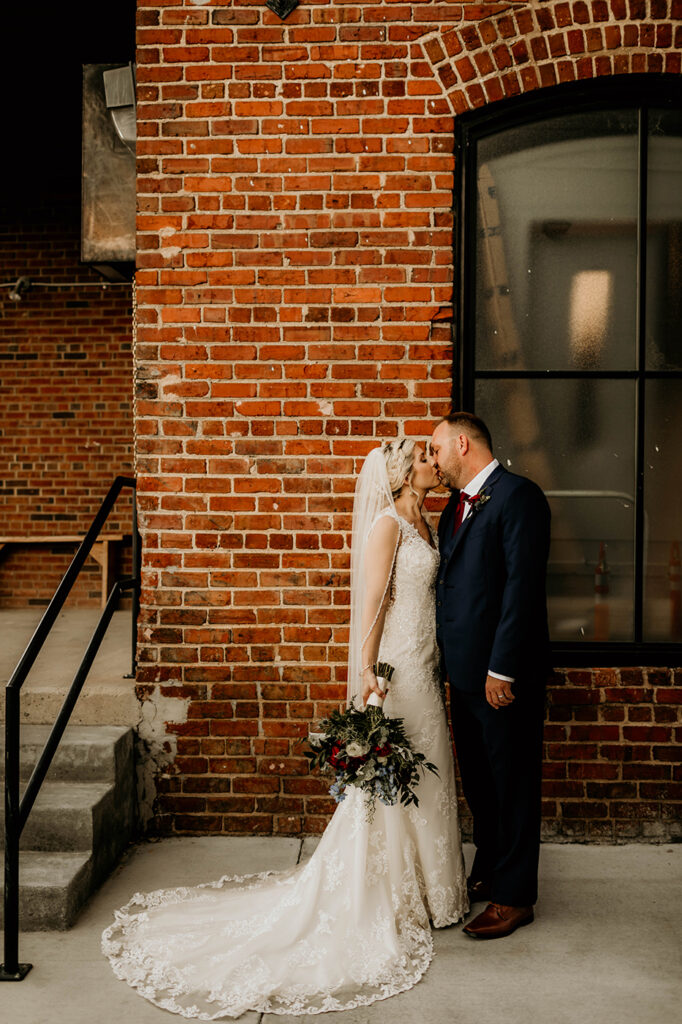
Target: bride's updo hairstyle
x,y
399,456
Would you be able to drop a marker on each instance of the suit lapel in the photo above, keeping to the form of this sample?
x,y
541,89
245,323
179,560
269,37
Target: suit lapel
x,y
464,528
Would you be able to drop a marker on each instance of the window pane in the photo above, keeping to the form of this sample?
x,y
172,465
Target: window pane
x,y
576,439
664,241
662,510
556,244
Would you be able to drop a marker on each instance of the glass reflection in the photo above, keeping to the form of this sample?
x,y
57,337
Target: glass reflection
x,y
557,244
663,505
576,439
664,241
589,315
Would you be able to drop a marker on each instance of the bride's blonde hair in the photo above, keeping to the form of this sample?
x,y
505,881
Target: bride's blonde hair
x,y
399,456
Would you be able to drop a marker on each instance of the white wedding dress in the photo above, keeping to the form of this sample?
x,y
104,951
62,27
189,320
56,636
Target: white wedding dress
x,y
352,924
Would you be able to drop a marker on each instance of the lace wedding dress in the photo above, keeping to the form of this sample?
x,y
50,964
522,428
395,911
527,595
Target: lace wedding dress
x,y
352,924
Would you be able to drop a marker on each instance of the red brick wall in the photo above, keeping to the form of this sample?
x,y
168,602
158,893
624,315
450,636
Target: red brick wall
x,y
295,281
66,399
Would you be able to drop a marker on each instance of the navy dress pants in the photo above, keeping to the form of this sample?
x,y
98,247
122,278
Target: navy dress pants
x,y
499,751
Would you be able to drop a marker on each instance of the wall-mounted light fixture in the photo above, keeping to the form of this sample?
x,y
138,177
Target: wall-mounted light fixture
x,y
17,292
24,284
119,91
282,8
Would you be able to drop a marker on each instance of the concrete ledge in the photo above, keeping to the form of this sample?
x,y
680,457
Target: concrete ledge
x,y
107,696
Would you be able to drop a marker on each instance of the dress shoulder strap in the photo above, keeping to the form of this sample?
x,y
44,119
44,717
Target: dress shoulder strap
x,y
387,511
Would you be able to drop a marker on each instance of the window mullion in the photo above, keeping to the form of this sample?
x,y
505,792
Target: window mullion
x,y
641,368
468,248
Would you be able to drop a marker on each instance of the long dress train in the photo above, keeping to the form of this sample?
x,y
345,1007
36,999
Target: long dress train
x,y
352,924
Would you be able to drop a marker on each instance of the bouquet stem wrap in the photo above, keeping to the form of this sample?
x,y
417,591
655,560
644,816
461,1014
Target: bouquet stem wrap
x,y
384,674
369,751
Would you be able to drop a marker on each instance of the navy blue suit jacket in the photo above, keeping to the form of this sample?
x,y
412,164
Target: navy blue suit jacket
x,y
491,605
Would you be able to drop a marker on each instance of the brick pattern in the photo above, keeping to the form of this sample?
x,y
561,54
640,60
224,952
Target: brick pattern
x,y
294,298
612,755
516,49
66,418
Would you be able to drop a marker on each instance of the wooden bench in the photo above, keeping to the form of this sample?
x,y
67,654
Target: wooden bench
x,y
103,551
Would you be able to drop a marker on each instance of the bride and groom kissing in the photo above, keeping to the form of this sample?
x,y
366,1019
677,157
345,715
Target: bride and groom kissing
x,y
354,923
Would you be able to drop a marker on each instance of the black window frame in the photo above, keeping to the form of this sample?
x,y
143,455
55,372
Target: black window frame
x,y
641,91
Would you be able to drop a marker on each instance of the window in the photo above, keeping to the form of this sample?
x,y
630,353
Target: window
x,y
569,344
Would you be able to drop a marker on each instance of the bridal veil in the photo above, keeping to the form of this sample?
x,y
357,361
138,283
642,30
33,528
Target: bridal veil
x,y
372,498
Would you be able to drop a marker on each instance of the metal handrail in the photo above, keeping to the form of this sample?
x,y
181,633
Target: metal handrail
x,y
627,500
621,495
16,810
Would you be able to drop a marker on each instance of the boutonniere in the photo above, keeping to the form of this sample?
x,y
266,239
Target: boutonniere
x,y
477,500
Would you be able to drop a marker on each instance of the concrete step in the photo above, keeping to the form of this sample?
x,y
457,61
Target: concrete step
x,y
82,820
107,696
68,816
52,889
85,753
111,701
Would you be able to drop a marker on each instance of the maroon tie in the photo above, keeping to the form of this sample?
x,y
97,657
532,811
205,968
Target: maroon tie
x,y
459,511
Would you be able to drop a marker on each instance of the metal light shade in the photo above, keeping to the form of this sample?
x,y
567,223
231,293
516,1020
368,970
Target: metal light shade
x,y
23,284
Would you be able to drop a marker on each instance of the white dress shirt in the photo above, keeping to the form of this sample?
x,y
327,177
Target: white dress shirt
x,y
473,487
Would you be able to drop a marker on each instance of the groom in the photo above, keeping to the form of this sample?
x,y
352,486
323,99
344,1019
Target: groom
x,y
493,636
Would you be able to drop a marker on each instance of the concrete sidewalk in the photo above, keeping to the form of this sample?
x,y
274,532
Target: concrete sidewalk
x,y
604,948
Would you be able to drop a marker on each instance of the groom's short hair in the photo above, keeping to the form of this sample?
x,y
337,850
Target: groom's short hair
x,y
472,426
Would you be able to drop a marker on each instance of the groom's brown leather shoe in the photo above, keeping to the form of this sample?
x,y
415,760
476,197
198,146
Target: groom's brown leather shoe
x,y
498,920
479,891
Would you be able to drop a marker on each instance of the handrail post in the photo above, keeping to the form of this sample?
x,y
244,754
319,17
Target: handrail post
x,y
136,557
11,969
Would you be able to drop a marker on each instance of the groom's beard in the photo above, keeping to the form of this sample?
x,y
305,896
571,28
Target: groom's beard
x,y
447,481
452,474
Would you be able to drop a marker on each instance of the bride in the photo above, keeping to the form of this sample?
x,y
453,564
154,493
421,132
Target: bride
x,y
352,924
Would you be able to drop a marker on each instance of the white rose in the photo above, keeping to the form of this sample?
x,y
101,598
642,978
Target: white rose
x,y
357,749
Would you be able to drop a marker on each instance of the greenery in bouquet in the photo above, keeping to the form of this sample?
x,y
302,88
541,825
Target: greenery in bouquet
x,y
367,749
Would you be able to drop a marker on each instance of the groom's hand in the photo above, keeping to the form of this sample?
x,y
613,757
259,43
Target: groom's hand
x,y
498,692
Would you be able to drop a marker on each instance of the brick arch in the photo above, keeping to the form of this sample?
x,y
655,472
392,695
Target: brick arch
x,y
528,47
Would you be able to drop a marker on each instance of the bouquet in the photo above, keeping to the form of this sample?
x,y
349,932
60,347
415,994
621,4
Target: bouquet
x,y
368,750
